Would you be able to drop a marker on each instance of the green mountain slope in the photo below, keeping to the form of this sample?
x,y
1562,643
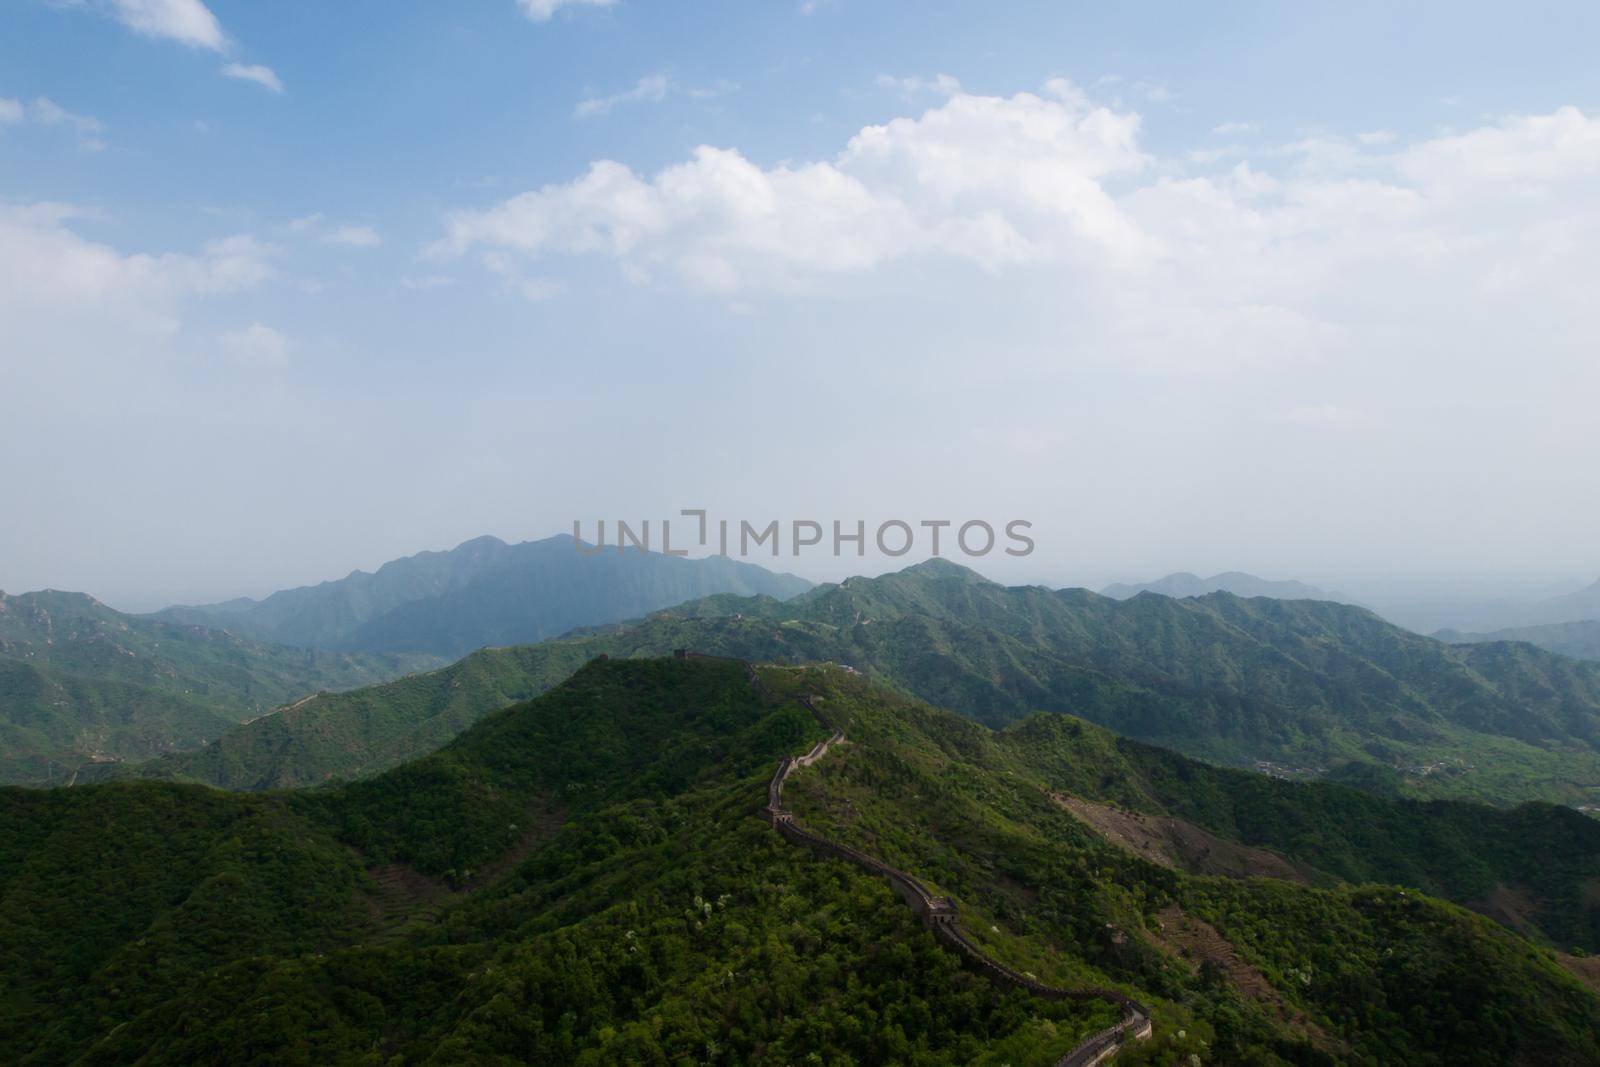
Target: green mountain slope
x,y
1580,640
586,879
1535,868
80,683
1295,687
485,593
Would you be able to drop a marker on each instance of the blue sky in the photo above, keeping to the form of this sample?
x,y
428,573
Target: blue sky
x,y
1299,290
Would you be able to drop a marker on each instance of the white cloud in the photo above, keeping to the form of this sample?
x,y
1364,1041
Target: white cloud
x,y
262,76
652,88
427,281
1232,129
189,22
544,10
46,112
354,237
722,87
1154,92
49,113
938,85
1293,258
49,276
349,235
990,180
1534,149
256,345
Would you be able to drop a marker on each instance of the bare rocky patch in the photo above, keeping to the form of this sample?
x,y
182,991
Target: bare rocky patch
x,y
1183,845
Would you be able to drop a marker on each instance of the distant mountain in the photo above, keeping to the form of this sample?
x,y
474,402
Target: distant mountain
x,y
81,682
1297,687
1580,640
588,878
485,593
1494,616
1184,584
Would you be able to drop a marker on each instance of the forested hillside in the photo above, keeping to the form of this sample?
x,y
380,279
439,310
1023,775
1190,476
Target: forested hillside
x,y
81,684
1301,688
585,878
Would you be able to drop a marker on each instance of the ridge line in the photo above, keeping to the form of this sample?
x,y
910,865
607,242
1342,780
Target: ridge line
x,y
937,913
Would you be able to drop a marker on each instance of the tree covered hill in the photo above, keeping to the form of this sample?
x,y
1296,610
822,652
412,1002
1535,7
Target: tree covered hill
x,y
585,879
485,593
81,682
1301,687
1580,640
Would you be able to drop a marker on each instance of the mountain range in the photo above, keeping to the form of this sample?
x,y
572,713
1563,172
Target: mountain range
x,y
587,878
1498,615
1184,584
1580,640
81,683
483,592
84,687
1296,688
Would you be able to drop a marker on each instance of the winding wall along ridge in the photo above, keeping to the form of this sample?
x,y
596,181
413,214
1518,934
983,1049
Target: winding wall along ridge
x,y
939,913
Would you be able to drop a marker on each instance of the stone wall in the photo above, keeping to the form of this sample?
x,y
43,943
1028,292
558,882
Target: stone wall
x,y
939,913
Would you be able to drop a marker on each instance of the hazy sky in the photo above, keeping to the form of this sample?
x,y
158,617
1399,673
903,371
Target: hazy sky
x,y
292,288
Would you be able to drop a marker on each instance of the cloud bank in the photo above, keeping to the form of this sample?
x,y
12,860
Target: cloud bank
x,y
1278,256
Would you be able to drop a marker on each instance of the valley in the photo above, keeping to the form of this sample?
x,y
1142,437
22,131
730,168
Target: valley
x,y
587,878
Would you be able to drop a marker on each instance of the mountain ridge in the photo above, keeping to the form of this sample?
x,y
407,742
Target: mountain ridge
x,y
1181,584
584,878
484,592
1294,686
82,683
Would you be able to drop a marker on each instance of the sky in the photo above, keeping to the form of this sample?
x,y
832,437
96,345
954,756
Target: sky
x,y
291,289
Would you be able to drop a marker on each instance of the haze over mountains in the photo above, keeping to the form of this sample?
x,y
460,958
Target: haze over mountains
x,y
1564,623
83,685
1184,584
1577,606
1580,640
549,852
1305,686
484,592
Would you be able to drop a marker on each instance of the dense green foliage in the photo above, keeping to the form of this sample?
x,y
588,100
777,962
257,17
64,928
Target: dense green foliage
x,y
1354,974
486,593
660,921
1307,686
80,682
364,731
584,879
1545,857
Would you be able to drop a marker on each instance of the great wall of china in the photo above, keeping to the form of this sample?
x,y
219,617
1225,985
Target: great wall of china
x,y
938,913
